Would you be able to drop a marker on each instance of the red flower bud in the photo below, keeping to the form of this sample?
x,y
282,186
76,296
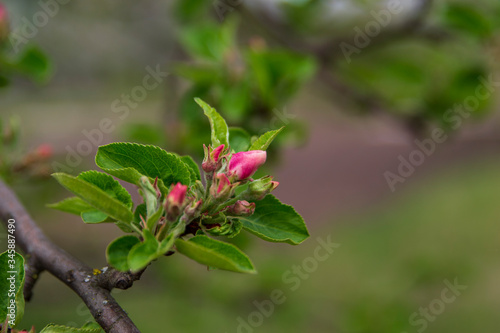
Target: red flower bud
x,y
244,164
211,161
177,195
241,208
175,201
221,187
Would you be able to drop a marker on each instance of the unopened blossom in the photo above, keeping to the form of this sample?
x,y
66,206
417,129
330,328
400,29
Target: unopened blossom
x,y
211,161
175,201
241,208
221,187
259,188
244,164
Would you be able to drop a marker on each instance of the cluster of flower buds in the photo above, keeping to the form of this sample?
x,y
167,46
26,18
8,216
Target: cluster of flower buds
x,y
226,172
217,206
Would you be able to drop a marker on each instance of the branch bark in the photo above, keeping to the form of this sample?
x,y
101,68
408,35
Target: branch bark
x,y
42,254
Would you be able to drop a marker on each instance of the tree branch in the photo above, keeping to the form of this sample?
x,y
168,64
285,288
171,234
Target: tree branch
x,y
42,254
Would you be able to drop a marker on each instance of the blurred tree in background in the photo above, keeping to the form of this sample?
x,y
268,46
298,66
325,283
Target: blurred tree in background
x,y
414,60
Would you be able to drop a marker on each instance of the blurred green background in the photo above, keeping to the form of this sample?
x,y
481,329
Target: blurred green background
x,y
266,64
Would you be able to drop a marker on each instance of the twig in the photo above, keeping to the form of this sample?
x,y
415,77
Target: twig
x,y
42,254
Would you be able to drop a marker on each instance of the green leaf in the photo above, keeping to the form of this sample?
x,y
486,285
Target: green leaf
x,y
130,161
88,213
96,197
265,140
276,222
219,129
73,205
468,18
201,74
143,253
53,328
235,101
153,219
140,210
125,227
92,325
194,170
166,244
278,74
211,252
239,139
118,251
95,216
14,296
34,63
107,184
208,41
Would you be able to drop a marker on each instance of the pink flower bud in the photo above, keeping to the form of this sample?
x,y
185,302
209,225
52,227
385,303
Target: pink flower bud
x,y
177,195
241,208
259,188
244,164
44,151
211,162
175,201
221,187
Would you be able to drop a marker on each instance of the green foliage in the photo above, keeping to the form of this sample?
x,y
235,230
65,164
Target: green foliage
x,y
208,41
218,126
34,64
276,222
244,82
278,74
95,216
73,205
399,75
29,61
87,328
239,139
129,162
143,253
118,251
265,140
214,253
11,285
96,197
194,170
469,19
107,184
414,75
